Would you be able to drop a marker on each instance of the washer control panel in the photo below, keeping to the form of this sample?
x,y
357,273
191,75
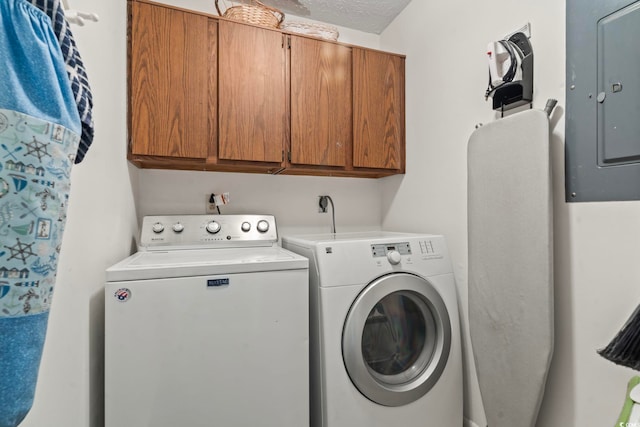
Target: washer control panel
x,y
194,231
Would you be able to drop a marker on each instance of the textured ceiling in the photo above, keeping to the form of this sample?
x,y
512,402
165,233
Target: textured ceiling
x,y
371,16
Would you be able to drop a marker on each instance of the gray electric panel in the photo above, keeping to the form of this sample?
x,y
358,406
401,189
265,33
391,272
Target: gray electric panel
x,y
603,100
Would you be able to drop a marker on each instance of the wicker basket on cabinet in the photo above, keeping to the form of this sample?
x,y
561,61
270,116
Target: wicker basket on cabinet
x,y
253,12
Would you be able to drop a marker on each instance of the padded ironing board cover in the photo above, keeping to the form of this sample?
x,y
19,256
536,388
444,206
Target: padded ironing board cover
x,y
511,265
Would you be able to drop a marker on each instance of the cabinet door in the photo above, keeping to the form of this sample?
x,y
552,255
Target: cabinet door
x,y
321,102
171,58
378,99
252,93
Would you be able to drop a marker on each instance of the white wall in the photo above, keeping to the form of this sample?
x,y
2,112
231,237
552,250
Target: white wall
x,y
292,199
596,271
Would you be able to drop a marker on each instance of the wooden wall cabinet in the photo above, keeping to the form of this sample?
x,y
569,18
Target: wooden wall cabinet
x,y
206,93
321,103
378,91
172,84
252,94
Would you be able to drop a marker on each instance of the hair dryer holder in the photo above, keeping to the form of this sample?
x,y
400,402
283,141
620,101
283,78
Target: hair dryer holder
x,y
518,92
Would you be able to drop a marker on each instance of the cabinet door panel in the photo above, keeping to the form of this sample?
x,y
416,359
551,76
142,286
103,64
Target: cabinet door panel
x,y
378,91
252,93
168,84
321,102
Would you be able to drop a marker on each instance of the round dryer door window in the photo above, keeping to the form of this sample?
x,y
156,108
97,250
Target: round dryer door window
x,y
396,339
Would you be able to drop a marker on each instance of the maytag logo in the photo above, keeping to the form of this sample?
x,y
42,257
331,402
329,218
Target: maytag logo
x,y
217,282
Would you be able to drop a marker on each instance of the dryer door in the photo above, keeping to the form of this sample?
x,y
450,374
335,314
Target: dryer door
x,y
396,339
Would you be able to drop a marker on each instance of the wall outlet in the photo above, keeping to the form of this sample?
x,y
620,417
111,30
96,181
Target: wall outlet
x,y
210,208
322,204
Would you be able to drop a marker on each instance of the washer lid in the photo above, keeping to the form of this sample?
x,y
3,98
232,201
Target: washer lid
x,y
203,262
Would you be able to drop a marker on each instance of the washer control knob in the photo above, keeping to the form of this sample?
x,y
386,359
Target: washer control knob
x,y
213,227
263,226
178,228
157,227
245,226
394,257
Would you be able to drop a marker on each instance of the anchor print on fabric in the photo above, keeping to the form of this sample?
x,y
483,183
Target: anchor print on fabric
x,y
44,195
27,300
35,167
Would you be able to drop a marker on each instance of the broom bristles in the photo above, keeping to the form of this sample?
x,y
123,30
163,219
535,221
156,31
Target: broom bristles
x,y
624,349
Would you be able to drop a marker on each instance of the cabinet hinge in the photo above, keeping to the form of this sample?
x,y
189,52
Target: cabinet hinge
x,y
289,156
288,42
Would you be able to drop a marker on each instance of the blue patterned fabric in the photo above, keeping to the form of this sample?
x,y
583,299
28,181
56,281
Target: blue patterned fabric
x,y
39,136
36,157
75,69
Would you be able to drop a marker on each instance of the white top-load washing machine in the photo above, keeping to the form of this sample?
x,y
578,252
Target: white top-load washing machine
x,y
384,331
207,325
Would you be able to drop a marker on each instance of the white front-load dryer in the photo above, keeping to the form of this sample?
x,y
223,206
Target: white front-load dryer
x,y
385,342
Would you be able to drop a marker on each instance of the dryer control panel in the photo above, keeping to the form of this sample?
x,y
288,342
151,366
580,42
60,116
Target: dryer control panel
x,y
423,249
382,250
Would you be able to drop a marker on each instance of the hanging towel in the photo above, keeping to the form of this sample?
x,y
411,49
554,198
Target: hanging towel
x,y
39,134
75,70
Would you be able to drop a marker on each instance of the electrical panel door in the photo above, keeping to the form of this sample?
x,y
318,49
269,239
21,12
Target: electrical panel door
x,y
603,100
619,87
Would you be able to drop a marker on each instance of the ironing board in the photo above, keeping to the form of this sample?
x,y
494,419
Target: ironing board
x,y
511,265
